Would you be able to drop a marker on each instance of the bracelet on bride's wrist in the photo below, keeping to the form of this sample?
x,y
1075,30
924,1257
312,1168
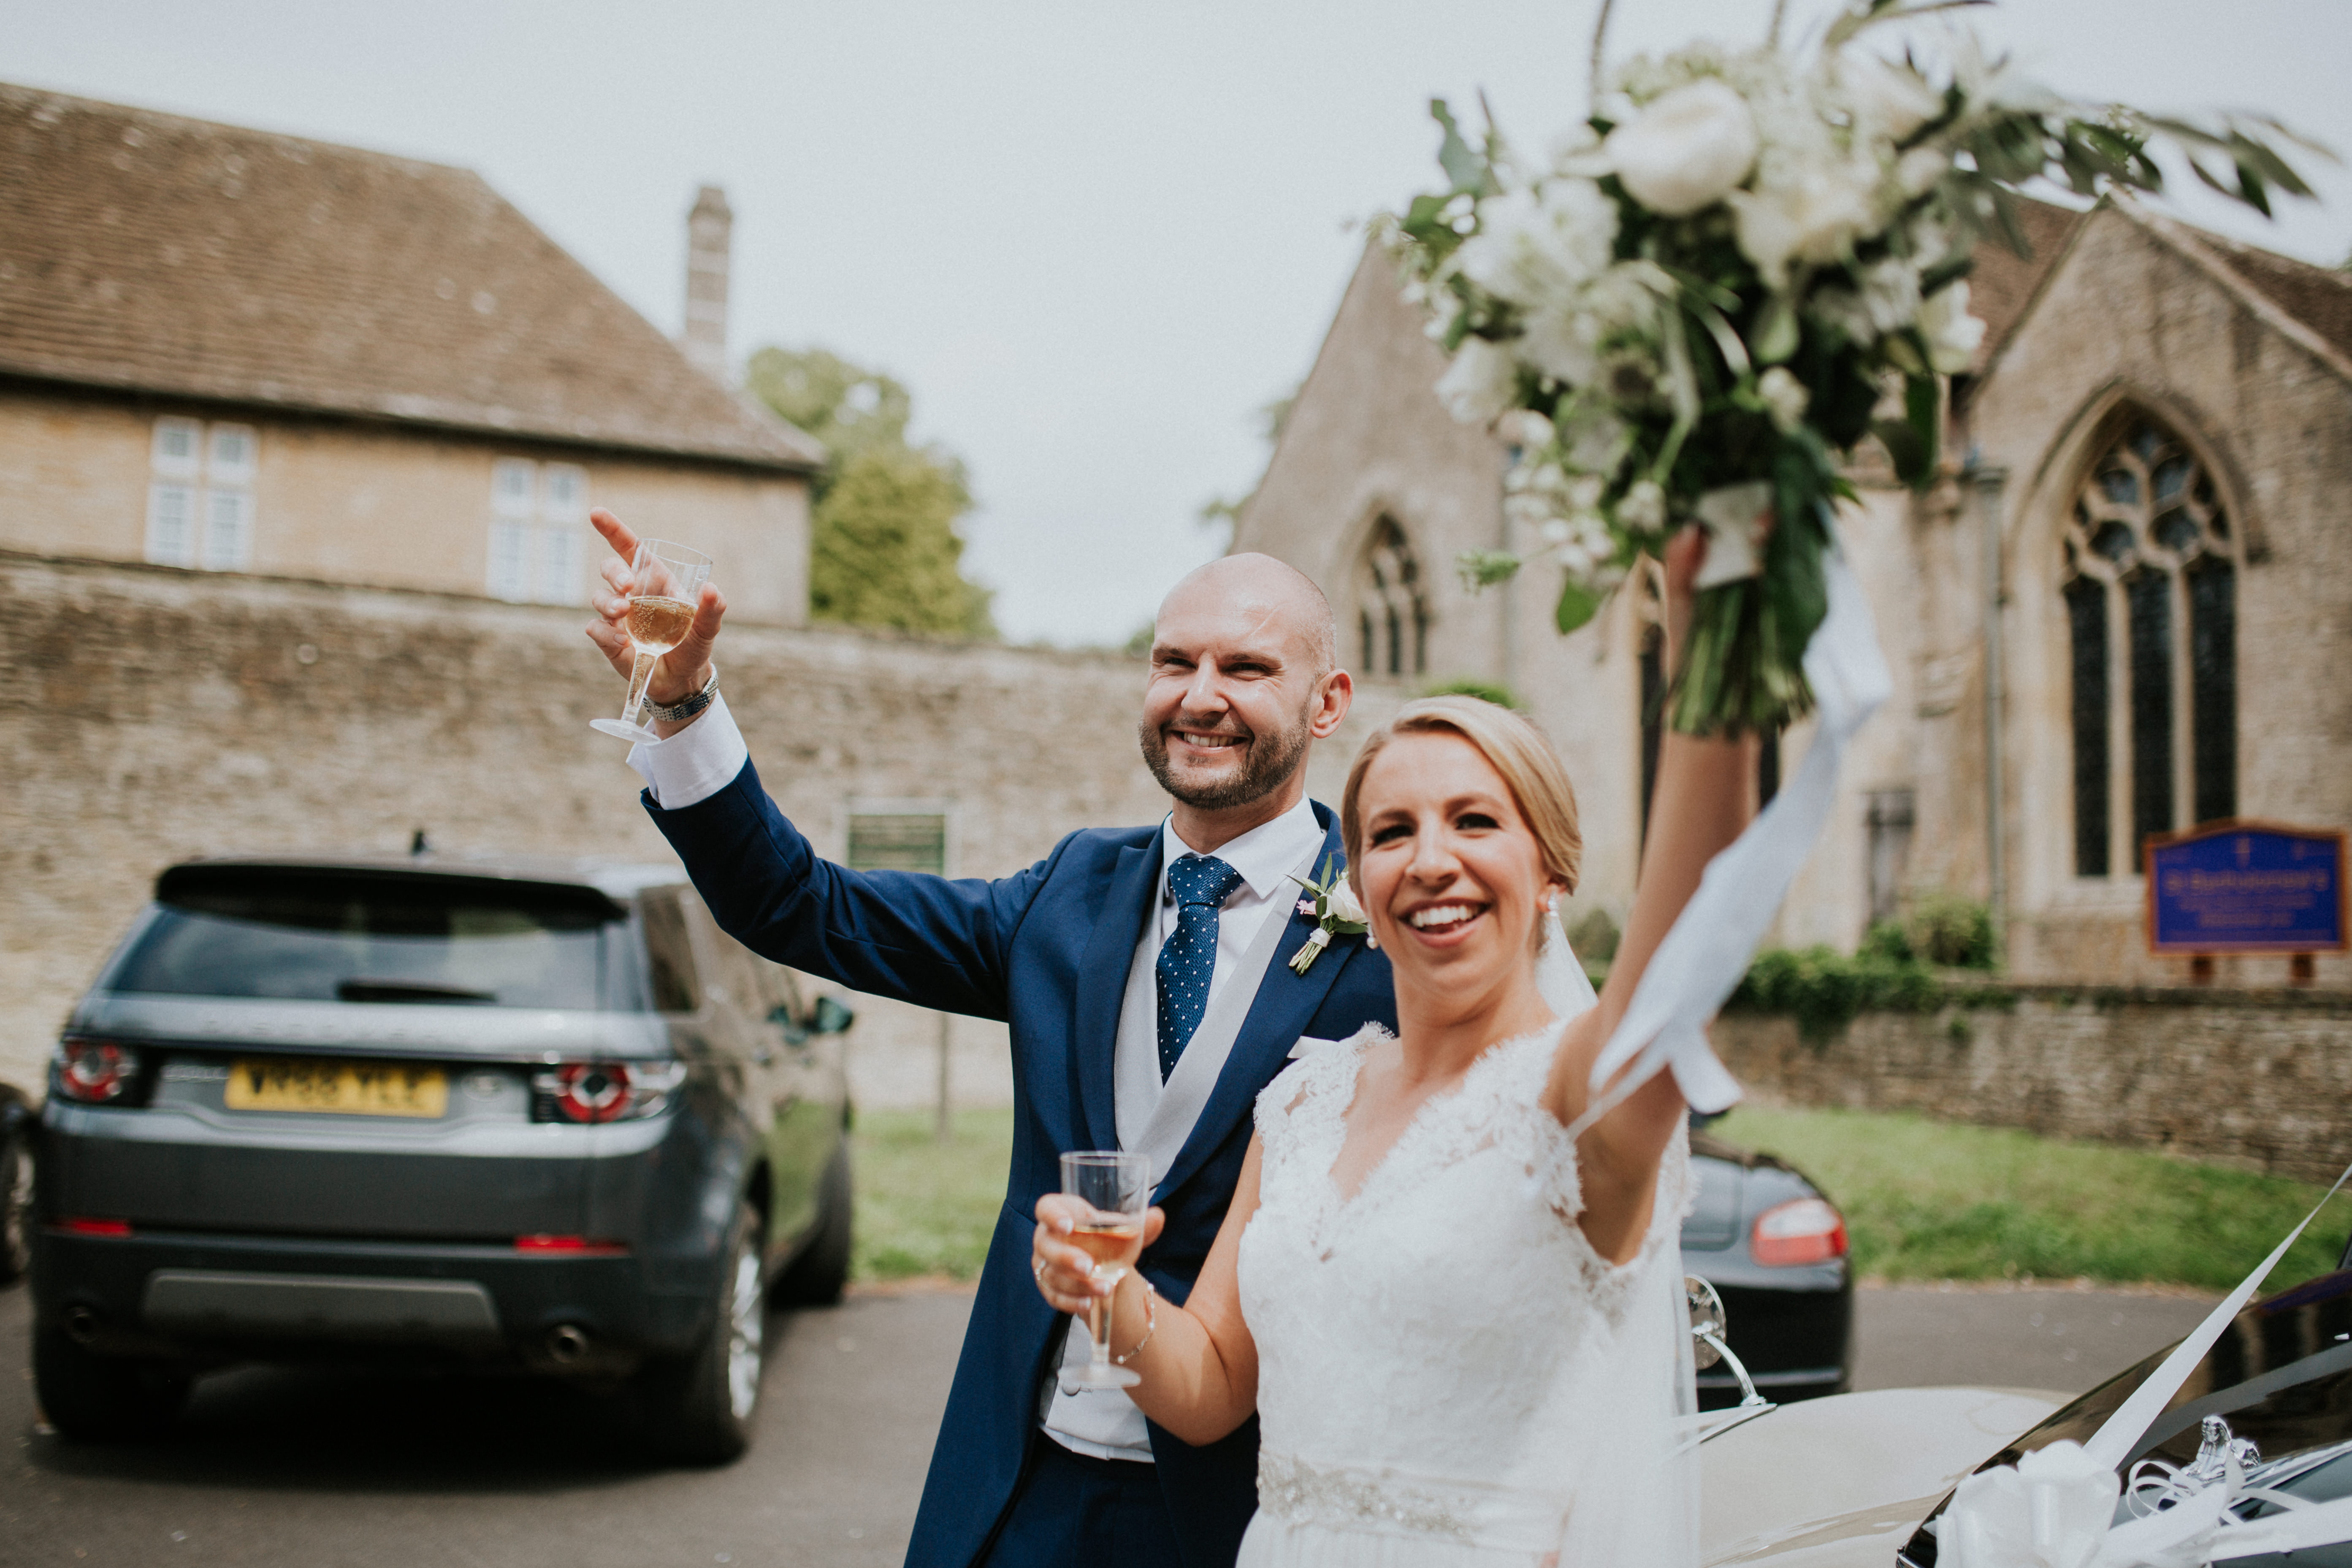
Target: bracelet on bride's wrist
x,y
1150,1322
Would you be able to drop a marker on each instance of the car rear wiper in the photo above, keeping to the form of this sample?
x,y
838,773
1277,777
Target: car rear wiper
x,y
408,991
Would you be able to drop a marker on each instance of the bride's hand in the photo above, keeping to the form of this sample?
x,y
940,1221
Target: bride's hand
x,y
1065,1275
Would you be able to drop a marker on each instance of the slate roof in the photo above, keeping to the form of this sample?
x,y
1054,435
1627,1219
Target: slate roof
x,y
164,256
2002,282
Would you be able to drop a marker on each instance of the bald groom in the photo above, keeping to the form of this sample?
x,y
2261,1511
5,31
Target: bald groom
x,y
1076,955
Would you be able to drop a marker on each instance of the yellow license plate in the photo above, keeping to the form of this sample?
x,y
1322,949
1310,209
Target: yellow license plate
x,y
352,1089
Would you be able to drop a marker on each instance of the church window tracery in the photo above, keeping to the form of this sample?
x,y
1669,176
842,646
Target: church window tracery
x,y
2150,595
1391,615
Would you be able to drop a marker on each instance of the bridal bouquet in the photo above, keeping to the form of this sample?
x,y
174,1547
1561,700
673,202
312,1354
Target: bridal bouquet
x,y
1741,264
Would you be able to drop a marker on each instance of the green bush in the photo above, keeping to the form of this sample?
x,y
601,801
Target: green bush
x,y
1595,937
1484,690
1951,931
1824,989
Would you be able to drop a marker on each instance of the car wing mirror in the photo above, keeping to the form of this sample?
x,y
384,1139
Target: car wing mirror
x,y
829,1017
1710,1332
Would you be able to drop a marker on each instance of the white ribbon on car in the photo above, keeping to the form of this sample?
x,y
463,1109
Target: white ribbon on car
x,y
2055,1507
1707,951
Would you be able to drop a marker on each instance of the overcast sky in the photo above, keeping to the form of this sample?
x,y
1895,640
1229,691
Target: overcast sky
x,y
1095,239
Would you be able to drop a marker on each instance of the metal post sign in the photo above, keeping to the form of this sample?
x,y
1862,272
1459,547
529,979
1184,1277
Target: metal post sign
x,y
2246,887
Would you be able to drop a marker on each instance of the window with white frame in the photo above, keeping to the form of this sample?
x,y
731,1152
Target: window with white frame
x,y
539,515
200,494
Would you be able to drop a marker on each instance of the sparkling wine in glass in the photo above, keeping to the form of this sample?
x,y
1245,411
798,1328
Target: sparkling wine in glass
x,y
1116,1187
665,579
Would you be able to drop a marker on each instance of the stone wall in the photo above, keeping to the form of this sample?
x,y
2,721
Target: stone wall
x,y
148,715
2259,1079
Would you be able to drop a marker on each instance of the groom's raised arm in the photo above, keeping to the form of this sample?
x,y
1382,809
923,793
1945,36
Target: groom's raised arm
x,y
926,940
937,942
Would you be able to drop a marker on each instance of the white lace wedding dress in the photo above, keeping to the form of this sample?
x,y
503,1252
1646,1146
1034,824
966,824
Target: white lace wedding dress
x,y
1449,1375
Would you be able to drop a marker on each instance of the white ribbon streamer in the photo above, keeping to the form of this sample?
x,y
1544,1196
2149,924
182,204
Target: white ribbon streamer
x,y
1707,951
2053,1509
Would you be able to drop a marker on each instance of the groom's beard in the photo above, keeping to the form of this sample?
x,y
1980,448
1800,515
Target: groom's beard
x,y
1268,763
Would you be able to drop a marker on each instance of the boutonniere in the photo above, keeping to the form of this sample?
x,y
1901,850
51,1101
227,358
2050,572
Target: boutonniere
x,y
1336,912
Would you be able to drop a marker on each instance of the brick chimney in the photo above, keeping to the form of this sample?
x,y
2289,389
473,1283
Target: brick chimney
x,y
708,228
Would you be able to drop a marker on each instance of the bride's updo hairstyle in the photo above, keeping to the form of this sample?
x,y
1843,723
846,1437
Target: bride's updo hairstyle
x,y
1512,747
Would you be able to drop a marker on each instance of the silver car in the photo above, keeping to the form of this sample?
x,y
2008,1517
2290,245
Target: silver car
x,y
496,1114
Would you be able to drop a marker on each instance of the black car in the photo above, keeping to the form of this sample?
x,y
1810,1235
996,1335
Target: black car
x,y
20,1128
1774,1248
497,1114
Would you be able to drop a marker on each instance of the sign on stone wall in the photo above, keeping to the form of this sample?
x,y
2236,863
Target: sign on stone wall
x,y
2246,887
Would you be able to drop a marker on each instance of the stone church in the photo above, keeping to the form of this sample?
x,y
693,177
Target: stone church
x,y
2117,615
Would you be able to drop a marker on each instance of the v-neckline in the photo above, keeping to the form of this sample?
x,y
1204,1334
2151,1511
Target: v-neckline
x,y
1339,1203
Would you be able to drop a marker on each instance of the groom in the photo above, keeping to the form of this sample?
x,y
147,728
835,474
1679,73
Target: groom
x,y
1095,957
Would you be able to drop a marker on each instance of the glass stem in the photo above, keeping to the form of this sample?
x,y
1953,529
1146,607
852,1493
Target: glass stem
x,y
1098,1330
642,672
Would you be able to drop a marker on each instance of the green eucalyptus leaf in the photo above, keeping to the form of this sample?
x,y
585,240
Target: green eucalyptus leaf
x,y
1578,604
1482,568
1456,156
1776,334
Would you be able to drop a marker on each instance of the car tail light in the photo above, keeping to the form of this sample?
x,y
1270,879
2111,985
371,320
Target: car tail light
x,y
1802,1230
77,1225
596,1092
570,1246
96,1072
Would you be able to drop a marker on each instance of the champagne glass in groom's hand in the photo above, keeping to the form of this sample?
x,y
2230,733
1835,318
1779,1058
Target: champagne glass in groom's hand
x,y
659,618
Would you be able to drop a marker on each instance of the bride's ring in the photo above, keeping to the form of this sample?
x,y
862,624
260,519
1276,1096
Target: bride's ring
x,y
1037,1269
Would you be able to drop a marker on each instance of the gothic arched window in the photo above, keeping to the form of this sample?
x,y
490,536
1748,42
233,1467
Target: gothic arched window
x,y
2151,596
1390,614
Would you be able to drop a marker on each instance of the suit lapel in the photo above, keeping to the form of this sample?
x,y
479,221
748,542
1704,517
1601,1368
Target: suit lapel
x,y
1102,986
1286,1001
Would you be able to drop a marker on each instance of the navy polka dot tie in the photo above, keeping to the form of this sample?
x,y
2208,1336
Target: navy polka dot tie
x,y
1200,884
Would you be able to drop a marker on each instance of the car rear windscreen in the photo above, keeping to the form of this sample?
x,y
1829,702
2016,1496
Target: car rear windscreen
x,y
376,937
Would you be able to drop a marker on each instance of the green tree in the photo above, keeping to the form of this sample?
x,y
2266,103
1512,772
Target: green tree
x,y
883,547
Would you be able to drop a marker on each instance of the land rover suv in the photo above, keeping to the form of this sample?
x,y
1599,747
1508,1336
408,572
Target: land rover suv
x,y
496,1114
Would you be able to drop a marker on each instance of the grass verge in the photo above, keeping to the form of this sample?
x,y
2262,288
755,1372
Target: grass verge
x,y
1939,1200
927,1208
1922,1200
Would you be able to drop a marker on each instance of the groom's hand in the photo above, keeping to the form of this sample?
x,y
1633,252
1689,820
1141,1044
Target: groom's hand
x,y
1065,1276
680,672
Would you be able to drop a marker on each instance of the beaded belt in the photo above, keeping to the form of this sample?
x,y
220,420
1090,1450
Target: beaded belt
x,y
1385,1501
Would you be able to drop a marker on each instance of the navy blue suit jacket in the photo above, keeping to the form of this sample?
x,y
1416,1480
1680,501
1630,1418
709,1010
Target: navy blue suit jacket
x,y
1047,952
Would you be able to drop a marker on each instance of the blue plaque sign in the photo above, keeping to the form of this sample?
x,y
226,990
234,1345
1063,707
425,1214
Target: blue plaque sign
x,y
2246,887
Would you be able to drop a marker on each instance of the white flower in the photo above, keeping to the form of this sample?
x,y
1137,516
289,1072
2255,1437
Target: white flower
x,y
1812,217
1343,903
1890,295
1785,398
1917,172
1538,244
1480,384
1952,333
1643,506
1888,99
1594,441
1525,429
1686,148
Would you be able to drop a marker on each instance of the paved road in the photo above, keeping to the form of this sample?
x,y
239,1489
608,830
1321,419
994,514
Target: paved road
x,y
358,1472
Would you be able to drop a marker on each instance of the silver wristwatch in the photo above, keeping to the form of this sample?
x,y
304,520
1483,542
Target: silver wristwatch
x,y
685,708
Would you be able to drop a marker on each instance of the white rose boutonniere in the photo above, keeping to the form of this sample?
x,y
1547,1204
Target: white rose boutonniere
x,y
1336,912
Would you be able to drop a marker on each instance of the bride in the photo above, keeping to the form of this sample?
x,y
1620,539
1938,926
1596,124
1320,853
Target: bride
x,y
1449,1282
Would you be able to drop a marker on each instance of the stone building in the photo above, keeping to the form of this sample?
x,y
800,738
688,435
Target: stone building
x,y
225,350
296,447
2118,614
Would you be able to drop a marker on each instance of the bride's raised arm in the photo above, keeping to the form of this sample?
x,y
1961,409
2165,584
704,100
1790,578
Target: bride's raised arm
x,y
1198,1362
1704,795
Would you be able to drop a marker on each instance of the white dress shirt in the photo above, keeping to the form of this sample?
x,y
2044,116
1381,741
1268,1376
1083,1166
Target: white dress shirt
x,y
703,758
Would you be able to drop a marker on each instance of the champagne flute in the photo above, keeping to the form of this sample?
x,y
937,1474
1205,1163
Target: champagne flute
x,y
1115,1187
665,579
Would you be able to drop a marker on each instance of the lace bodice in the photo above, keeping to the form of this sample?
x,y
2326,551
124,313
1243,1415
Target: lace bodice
x,y
1429,1349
